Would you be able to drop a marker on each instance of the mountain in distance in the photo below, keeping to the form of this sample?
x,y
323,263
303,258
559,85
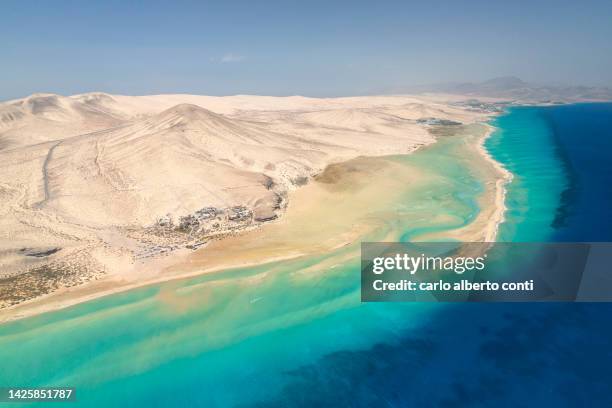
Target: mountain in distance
x,y
513,88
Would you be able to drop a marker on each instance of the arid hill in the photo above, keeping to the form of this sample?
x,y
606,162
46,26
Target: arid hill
x,y
99,184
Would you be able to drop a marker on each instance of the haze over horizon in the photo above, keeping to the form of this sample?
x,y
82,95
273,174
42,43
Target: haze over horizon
x,y
313,49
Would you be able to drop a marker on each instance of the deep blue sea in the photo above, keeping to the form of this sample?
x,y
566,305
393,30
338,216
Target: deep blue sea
x,y
504,355
561,159
270,336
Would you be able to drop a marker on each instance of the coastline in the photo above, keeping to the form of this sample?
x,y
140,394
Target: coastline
x,y
181,265
190,264
485,227
500,188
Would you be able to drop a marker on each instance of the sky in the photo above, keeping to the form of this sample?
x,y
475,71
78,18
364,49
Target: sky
x,y
314,48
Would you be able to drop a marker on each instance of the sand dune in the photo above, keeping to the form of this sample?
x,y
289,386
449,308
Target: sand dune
x,y
43,117
95,185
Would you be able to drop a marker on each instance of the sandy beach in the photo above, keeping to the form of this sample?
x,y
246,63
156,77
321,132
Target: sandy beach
x,y
500,189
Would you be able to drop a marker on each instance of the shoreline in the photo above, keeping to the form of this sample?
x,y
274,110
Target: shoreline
x,y
500,187
114,284
168,272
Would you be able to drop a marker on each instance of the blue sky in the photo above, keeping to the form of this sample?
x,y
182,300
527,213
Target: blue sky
x,y
318,48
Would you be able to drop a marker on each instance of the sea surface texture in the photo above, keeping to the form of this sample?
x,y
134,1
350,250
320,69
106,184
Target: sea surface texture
x,y
294,333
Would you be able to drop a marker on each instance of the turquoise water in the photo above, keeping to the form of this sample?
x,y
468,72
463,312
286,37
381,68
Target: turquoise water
x,y
295,333
523,145
560,158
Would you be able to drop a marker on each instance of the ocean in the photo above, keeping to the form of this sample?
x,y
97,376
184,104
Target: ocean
x,y
560,156
294,333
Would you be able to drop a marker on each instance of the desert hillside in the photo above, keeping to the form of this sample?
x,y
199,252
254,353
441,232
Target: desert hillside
x,y
99,184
